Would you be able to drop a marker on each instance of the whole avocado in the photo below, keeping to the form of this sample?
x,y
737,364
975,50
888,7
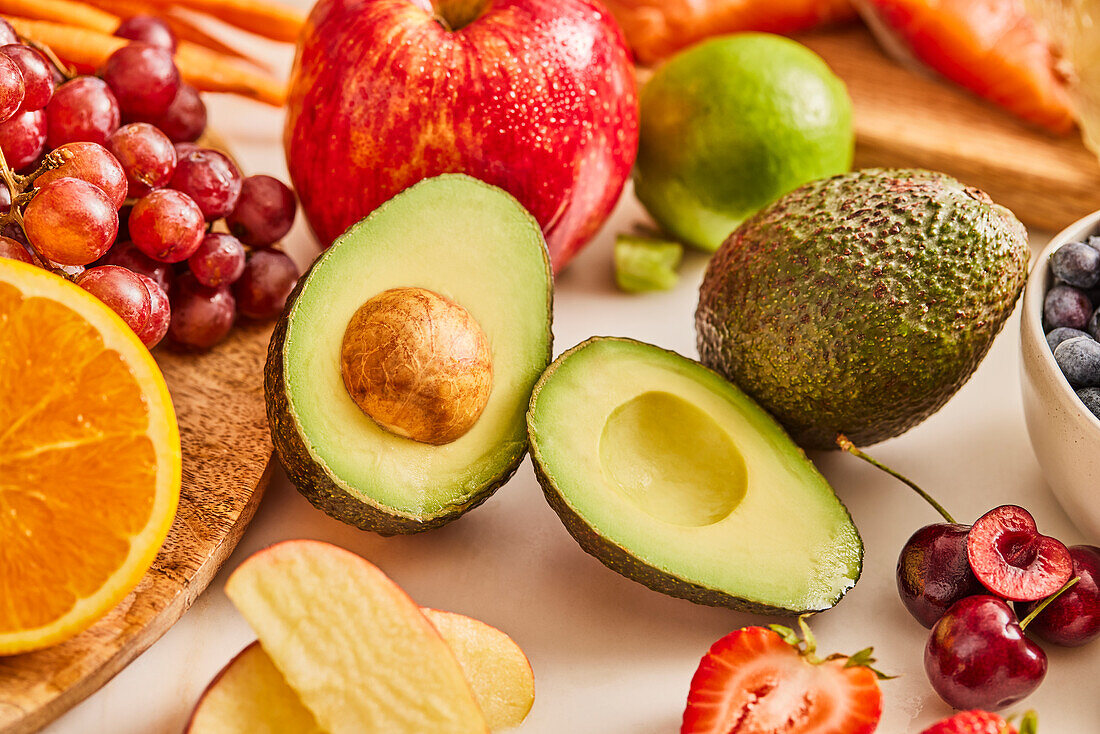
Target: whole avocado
x,y
859,304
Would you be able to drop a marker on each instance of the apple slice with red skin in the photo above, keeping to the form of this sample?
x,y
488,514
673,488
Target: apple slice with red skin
x,y
359,652
250,695
1012,559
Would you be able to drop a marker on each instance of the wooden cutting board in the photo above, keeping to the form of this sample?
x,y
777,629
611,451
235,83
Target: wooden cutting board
x,y
219,403
905,119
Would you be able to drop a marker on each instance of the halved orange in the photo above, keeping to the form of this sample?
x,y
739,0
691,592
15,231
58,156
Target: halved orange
x,y
89,459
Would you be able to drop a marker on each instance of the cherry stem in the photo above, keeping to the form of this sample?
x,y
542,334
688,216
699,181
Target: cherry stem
x,y
1046,602
846,445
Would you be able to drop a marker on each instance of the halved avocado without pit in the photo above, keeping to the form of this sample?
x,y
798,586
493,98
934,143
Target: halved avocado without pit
x,y
673,477
398,376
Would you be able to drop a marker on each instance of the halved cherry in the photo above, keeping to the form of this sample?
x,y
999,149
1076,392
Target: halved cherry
x,y
1012,559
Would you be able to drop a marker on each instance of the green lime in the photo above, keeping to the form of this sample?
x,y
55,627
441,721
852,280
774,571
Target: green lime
x,y
732,124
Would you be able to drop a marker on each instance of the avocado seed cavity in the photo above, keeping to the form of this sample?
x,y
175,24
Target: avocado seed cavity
x,y
418,364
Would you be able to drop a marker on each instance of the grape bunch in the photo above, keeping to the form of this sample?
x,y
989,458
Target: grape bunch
x,y
103,183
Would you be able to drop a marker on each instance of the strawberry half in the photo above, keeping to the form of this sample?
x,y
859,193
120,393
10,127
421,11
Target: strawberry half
x,y
981,722
760,680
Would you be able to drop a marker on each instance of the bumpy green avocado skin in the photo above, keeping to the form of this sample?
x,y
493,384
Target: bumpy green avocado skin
x,y
859,304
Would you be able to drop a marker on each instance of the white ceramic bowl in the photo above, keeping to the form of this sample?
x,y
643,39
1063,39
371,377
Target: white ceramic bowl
x,y
1064,434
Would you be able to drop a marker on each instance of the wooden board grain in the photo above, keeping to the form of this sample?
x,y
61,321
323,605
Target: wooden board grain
x,y
226,466
905,119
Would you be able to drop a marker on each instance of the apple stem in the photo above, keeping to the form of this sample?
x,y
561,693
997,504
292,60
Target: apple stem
x,y
1043,605
846,445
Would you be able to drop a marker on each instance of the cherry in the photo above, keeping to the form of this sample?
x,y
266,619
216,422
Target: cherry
x,y
1073,619
1011,559
978,658
934,571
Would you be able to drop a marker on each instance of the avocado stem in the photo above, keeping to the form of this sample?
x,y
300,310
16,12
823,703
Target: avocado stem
x,y
1046,602
846,445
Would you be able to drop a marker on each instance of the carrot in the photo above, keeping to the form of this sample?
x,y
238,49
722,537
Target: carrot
x,y
183,28
199,67
62,11
262,17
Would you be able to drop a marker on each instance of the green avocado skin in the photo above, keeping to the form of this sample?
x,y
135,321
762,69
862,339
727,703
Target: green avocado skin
x,y
621,561
861,303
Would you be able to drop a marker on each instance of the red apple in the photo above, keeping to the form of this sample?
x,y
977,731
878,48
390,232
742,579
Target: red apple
x,y
535,96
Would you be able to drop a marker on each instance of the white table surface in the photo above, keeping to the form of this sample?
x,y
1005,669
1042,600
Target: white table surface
x,y
609,655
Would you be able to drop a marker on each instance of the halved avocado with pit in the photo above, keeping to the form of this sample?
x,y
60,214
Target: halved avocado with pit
x,y
673,477
398,376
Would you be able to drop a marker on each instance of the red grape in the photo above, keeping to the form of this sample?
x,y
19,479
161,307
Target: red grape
x,y
211,179
144,79
184,148
93,163
122,291
219,260
166,225
186,116
201,316
11,88
23,138
82,110
126,255
71,222
13,250
146,155
268,279
5,199
147,29
7,33
37,75
264,213
160,314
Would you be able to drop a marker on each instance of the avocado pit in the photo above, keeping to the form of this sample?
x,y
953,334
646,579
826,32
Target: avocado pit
x,y
418,364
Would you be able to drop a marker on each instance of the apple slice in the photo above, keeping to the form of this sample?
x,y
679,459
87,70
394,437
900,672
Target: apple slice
x,y
495,666
250,695
355,647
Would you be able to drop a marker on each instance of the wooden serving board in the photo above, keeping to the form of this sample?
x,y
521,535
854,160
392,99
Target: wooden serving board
x,y
905,119
219,403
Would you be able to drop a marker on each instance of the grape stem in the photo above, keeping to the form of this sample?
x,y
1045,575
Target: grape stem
x,y
16,185
66,71
846,445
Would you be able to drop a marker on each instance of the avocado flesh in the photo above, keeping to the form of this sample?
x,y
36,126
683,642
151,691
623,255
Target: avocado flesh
x,y
861,303
462,239
673,477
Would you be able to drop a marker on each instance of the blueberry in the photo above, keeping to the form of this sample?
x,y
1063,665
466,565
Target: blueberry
x,y
1079,360
1066,306
1094,242
1090,396
1063,333
1077,264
